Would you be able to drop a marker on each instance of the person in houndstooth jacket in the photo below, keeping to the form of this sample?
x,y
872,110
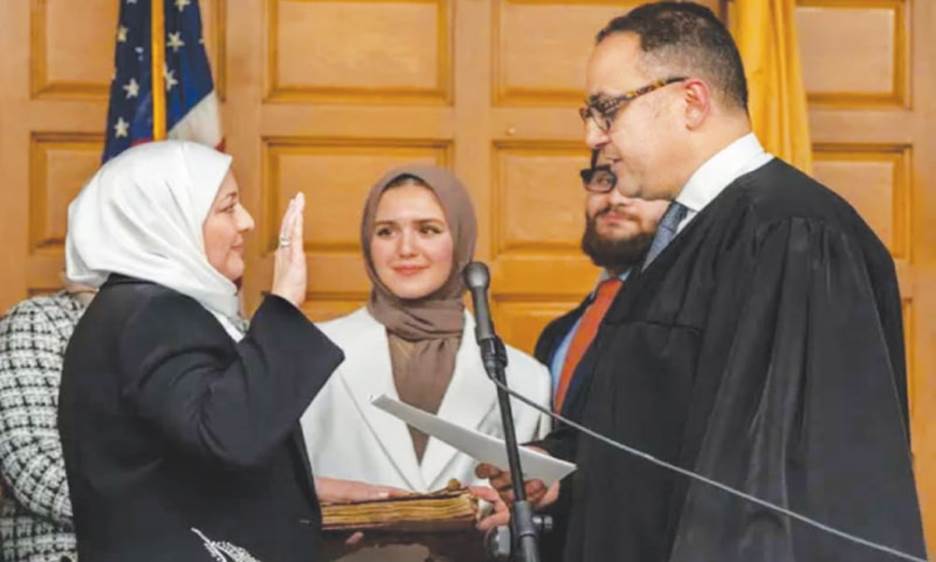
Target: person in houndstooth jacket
x,y
35,511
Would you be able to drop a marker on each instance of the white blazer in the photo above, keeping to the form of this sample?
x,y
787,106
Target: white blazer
x,y
347,437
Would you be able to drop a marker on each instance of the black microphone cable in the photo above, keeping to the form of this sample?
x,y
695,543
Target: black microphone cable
x,y
705,480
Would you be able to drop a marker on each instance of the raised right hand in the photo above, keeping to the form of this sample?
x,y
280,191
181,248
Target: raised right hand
x,y
289,269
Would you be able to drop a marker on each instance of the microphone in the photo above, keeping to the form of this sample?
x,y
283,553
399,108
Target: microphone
x,y
478,279
524,530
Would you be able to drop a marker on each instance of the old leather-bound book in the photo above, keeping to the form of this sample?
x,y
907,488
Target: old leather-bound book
x,y
453,508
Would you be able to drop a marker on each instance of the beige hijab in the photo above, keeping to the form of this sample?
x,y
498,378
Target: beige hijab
x,y
424,334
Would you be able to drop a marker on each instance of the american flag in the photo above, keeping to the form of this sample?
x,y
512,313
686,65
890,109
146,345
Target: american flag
x,y
189,105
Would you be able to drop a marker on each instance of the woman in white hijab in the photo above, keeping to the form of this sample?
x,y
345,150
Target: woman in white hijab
x,y
180,425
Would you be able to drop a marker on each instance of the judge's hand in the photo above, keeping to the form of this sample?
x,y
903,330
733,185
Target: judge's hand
x,y
536,491
289,268
335,490
500,514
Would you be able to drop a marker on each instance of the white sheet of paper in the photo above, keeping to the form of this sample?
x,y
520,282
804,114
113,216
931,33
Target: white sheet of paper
x,y
481,447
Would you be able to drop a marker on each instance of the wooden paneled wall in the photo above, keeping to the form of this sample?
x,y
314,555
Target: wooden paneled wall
x,y
322,96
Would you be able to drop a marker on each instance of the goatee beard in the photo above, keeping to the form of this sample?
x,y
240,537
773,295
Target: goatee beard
x,y
611,254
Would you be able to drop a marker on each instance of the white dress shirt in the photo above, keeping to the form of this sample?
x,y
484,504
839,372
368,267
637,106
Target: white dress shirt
x,y
718,172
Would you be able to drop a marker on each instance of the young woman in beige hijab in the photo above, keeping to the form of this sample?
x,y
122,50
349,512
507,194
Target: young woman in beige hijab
x,y
414,341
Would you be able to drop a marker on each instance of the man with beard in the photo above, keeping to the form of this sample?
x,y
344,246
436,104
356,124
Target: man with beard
x,y
759,344
618,230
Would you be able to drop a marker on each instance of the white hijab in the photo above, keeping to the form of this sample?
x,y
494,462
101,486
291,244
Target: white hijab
x,y
141,215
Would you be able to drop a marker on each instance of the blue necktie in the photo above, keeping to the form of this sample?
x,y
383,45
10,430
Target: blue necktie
x,y
666,231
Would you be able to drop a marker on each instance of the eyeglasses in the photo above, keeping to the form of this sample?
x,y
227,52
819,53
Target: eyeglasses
x,y
603,111
599,179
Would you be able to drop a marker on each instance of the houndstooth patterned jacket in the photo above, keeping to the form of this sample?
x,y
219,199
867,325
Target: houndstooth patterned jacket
x,y
35,517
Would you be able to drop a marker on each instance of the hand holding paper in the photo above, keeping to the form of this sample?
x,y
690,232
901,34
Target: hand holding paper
x,y
481,447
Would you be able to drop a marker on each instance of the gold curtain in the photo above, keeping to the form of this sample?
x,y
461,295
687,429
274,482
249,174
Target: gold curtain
x,y
765,31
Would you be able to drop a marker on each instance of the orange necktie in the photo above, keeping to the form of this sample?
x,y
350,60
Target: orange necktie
x,y
585,334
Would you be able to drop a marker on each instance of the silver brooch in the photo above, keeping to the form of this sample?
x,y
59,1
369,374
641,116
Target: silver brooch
x,y
223,551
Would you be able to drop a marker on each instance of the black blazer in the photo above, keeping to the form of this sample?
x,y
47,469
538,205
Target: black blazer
x,y
173,433
552,543
546,346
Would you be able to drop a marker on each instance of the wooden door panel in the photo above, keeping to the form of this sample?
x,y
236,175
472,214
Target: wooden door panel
x,y
372,52
521,322
539,200
541,48
537,219
835,34
60,164
875,179
68,48
72,47
335,177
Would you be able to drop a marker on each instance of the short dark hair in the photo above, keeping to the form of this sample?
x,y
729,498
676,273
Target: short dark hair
x,y
690,38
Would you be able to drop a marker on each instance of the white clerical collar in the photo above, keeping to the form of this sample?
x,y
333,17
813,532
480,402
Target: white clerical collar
x,y
718,172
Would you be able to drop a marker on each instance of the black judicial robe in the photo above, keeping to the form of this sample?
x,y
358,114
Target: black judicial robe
x,y
762,348
552,542
168,426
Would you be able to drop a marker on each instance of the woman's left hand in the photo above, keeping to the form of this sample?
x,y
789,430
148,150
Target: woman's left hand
x,y
336,490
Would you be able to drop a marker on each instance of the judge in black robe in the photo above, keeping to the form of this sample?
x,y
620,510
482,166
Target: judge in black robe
x,y
763,349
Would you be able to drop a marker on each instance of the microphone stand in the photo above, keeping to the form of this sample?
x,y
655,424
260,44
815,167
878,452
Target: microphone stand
x,y
524,528
523,524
